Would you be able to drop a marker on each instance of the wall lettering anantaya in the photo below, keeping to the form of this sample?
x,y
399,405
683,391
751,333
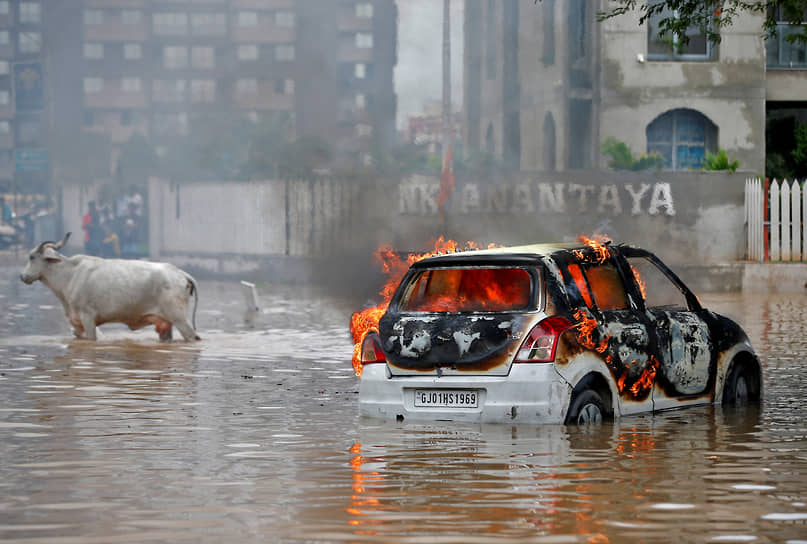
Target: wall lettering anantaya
x,y
526,198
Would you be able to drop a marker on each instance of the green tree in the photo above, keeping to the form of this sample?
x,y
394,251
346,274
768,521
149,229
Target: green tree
x,y
711,15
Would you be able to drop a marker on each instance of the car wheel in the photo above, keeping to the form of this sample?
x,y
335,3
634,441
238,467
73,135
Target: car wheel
x,y
586,408
738,386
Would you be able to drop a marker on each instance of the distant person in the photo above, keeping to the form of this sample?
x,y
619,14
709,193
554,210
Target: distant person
x,y
129,232
91,223
8,213
110,245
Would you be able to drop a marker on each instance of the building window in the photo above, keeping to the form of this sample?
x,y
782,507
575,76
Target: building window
x,y
5,127
4,67
248,52
360,71
30,42
3,37
175,56
172,90
203,57
288,86
247,18
30,12
364,40
209,24
5,98
171,124
203,90
130,84
93,50
364,10
284,19
781,53
246,86
361,101
131,16
670,46
363,129
284,52
682,137
4,7
132,51
93,85
170,24
93,17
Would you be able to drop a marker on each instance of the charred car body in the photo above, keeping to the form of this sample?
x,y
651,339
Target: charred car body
x,y
550,334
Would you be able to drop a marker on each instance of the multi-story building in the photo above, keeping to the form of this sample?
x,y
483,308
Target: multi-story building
x,y
545,84
115,68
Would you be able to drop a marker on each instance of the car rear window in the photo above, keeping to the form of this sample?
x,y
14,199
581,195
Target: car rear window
x,y
468,290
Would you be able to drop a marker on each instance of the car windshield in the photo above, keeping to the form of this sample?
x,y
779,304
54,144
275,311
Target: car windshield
x,y
475,289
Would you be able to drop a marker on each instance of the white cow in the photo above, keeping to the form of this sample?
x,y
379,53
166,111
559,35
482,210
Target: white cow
x,y
95,291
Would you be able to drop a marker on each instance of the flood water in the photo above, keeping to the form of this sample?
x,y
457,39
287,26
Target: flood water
x,y
253,435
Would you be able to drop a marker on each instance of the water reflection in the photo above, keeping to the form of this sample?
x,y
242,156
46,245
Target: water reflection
x,y
253,435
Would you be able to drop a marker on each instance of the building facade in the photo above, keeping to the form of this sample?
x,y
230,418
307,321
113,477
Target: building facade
x,y
546,84
116,68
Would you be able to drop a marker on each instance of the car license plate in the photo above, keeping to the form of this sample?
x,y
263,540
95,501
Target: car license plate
x,y
446,398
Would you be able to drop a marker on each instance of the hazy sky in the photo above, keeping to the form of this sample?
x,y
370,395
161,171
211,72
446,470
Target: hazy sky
x,y
418,75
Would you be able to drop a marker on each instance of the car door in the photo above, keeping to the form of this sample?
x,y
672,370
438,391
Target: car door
x,y
682,339
608,324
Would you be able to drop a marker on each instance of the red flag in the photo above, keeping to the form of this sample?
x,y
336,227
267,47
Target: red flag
x,y
446,183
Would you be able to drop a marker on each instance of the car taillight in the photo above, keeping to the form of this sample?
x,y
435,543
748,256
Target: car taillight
x,y
371,351
541,343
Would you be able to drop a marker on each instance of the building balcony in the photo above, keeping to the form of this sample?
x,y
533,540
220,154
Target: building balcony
x,y
266,32
782,54
351,23
114,3
116,32
265,99
112,97
263,4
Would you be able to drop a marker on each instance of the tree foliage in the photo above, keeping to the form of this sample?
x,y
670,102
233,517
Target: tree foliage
x,y
710,16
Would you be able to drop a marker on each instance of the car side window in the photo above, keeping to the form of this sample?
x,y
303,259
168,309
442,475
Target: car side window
x,y
606,286
657,289
576,274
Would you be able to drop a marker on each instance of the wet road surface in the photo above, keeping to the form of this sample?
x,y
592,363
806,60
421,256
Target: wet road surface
x,y
253,435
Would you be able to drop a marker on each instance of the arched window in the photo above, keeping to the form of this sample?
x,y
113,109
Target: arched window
x,y
550,150
682,137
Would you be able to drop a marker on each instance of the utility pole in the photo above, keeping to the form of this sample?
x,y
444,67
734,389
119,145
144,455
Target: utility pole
x,y
446,80
447,177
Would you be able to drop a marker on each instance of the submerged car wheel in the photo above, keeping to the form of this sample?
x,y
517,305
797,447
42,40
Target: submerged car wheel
x,y
586,408
739,388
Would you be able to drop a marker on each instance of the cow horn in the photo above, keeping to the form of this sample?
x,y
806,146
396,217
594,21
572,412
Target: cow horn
x,y
41,247
63,242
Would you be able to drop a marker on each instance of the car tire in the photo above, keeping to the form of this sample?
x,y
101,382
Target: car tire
x,y
586,408
738,390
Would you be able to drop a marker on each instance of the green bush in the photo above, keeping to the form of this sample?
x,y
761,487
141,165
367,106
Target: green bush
x,y
719,161
622,157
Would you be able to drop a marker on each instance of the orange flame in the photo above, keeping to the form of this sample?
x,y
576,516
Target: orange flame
x,y
394,266
642,283
585,332
598,244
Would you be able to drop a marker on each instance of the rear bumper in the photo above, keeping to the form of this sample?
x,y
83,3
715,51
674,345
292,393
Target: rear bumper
x,y
531,393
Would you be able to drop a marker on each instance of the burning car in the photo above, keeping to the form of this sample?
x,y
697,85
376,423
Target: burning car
x,y
549,334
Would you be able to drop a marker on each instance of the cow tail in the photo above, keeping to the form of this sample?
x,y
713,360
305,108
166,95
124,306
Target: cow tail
x,y
195,293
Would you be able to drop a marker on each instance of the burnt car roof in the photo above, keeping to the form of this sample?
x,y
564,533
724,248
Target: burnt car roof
x,y
527,254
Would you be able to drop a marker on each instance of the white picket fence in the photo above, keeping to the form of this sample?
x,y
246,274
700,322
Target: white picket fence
x,y
776,222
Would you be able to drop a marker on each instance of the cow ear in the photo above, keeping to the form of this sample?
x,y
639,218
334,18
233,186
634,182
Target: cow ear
x,y
52,256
